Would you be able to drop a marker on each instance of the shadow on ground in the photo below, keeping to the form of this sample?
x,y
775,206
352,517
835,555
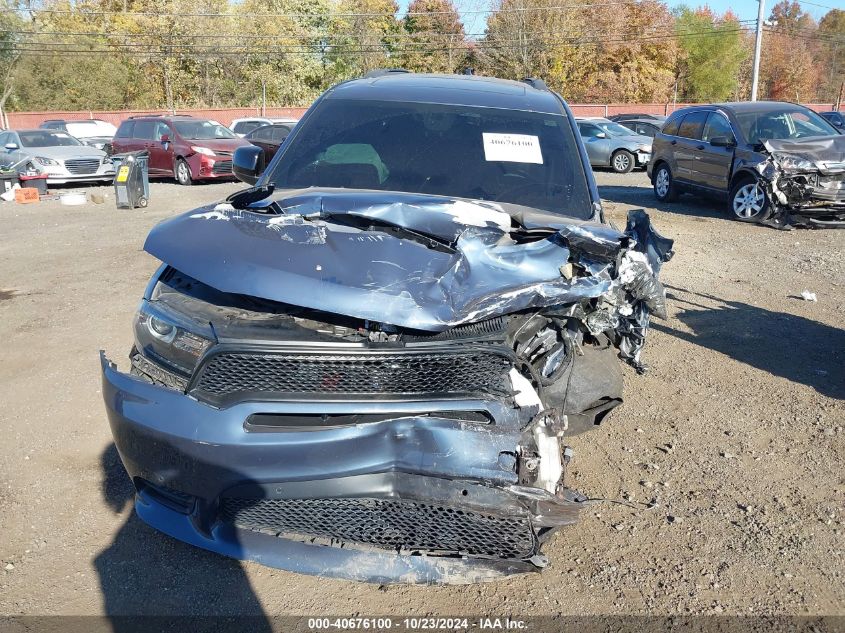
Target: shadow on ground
x,y
690,205
145,575
785,345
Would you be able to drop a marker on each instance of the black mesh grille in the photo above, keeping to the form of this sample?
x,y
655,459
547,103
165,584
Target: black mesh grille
x,y
389,523
471,372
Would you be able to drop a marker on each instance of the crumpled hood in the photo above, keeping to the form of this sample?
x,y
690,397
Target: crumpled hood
x,y
826,152
422,262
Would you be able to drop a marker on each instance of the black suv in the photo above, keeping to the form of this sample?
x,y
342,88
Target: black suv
x,y
776,162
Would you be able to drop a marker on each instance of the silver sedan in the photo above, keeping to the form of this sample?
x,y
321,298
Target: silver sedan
x,y
612,145
60,155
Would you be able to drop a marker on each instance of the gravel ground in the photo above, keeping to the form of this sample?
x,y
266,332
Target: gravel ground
x,y
736,433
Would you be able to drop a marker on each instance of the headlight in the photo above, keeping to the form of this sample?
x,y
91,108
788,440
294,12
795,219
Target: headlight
x,y
46,161
165,339
106,160
645,148
787,161
203,150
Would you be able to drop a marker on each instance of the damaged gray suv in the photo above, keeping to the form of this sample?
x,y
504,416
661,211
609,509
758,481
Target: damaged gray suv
x,y
777,163
367,364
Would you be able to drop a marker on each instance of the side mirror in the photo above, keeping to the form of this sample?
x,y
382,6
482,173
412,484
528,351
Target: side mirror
x,y
248,163
165,138
11,146
601,135
722,141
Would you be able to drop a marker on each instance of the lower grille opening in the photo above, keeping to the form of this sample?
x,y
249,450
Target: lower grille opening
x,y
270,422
396,524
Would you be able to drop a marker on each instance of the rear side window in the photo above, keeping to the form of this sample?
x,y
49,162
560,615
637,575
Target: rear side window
x,y
671,127
125,130
692,125
245,127
144,130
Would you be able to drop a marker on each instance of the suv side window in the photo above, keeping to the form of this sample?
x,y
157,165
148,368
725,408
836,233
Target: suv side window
x,y
671,126
144,130
125,130
835,118
261,133
717,125
280,133
692,125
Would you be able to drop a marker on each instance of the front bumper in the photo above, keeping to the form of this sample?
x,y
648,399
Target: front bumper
x,y
204,167
61,176
190,462
643,158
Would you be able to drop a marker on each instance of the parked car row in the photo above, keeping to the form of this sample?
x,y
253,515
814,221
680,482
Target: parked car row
x,y
183,147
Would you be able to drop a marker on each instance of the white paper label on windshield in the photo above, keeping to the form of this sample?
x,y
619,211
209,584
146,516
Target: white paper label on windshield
x,y
512,148
61,135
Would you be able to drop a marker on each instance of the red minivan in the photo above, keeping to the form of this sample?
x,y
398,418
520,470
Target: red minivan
x,y
184,147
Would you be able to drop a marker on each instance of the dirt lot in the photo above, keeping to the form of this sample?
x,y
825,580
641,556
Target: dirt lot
x,y
736,432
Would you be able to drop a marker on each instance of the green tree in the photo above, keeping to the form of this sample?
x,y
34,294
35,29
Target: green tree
x,y
436,41
713,51
363,37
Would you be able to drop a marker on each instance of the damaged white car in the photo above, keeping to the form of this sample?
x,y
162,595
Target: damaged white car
x,y
367,365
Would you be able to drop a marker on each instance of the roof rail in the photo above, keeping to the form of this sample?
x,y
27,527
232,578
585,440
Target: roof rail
x,y
537,84
381,72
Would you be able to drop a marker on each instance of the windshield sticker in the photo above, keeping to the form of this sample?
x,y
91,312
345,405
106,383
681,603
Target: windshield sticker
x,y
512,148
61,135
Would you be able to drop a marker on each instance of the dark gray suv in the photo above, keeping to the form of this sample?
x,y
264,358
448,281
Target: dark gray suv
x,y
777,163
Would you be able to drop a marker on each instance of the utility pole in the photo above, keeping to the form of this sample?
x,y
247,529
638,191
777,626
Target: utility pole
x,y
755,74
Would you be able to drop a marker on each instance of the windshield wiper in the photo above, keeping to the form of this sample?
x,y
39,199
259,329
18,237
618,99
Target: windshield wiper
x,y
370,224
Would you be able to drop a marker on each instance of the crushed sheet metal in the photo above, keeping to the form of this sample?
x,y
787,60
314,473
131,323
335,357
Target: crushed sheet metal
x,y
328,262
804,181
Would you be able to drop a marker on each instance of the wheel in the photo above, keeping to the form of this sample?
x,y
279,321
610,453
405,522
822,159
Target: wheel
x,y
183,172
748,202
142,202
664,185
622,161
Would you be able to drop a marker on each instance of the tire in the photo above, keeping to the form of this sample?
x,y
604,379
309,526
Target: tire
x,y
622,161
665,189
142,202
183,172
748,202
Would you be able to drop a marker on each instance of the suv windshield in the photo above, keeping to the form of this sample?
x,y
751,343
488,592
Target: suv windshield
x,y
202,130
524,158
781,124
45,138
